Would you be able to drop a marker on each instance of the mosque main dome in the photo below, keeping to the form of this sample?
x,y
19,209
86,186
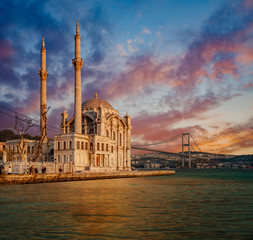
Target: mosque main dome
x,y
96,103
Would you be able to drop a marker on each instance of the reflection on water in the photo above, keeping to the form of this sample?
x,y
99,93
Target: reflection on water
x,y
204,204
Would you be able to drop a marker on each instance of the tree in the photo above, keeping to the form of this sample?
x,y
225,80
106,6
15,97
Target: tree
x,y
7,134
21,126
43,134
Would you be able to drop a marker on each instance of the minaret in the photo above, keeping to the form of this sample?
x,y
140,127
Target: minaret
x,y
43,92
78,63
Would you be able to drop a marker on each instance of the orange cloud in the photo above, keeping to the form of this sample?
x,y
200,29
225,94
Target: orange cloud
x,y
237,139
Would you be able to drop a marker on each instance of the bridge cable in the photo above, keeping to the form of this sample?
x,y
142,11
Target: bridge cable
x,y
195,142
36,125
161,142
28,117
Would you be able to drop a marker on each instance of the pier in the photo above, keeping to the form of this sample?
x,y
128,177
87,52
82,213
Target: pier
x,y
46,178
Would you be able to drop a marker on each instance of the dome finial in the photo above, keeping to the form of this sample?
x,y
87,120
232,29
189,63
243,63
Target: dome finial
x,y
96,95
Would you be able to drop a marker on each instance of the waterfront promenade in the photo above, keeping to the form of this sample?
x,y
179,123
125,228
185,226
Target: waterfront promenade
x,y
45,178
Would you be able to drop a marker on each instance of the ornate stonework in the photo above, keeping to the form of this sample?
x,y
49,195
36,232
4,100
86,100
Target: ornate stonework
x,y
77,63
43,75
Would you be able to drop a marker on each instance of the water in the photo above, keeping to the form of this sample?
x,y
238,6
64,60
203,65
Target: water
x,y
193,204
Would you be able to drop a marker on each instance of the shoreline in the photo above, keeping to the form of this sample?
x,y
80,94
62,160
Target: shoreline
x,y
66,177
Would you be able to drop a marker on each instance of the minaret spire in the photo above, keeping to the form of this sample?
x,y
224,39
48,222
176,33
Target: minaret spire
x,y
43,42
77,28
43,92
78,63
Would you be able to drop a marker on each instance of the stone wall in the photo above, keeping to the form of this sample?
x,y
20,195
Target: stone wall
x,y
45,178
21,167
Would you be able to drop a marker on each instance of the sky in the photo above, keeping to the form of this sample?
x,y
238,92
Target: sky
x,y
174,66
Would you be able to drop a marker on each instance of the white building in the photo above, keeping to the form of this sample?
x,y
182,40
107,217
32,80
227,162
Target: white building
x,y
29,151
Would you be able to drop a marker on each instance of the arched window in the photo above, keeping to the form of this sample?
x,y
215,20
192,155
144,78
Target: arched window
x,y
113,136
107,133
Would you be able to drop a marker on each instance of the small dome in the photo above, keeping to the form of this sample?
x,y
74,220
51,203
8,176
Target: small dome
x,y
95,103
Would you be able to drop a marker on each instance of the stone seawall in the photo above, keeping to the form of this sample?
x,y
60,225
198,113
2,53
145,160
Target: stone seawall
x,y
45,178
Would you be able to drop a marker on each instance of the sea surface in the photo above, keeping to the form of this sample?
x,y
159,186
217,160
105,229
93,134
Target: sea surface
x,y
193,204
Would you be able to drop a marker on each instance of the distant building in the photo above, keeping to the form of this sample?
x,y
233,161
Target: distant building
x,y
30,148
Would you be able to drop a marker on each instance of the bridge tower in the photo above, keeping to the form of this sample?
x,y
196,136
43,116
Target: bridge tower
x,y
186,143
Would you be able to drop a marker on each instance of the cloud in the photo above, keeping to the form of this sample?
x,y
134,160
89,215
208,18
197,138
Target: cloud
x,y
213,54
145,31
247,85
132,45
231,139
99,31
121,50
6,50
54,119
19,65
226,139
151,127
220,52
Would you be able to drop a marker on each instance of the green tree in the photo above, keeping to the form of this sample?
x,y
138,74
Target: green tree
x,y
7,134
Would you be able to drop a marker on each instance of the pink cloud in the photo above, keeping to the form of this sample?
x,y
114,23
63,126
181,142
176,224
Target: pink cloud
x,y
248,3
247,85
224,67
208,59
226,139
30,105
150,128
6,50
219,51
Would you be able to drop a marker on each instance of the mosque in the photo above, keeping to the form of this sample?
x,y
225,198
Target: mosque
x,y
96,138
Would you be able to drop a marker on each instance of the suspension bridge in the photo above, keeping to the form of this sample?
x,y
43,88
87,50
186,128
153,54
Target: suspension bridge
x,y
189,147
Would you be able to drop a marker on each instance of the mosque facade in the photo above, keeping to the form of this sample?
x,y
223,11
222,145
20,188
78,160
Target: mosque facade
x,y
96,138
